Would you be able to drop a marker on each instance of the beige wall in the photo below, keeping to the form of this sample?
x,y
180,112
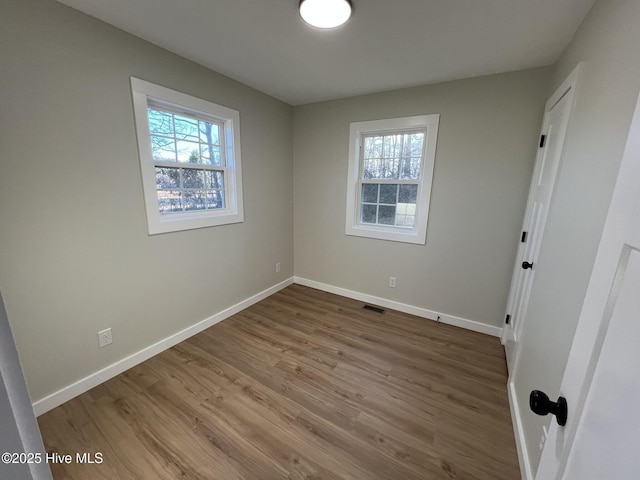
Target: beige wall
x,y
74,253
486,146
608,42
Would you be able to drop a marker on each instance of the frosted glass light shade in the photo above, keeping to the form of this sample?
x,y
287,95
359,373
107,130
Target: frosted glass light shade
x,y
325,13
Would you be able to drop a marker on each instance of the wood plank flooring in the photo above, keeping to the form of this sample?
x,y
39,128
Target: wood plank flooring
x,y
302,385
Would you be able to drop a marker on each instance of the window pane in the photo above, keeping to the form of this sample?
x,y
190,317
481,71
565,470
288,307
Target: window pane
x,y
169,201
215,199
163,149
167,177
214,179
408,194
209,133
405,221
399,144
416,141
389,193
370,192
389,168
193,178
194,200
371,169
369,213
160,123
186,128
405,215
373,147
410,168
210,155
188,152
387,215
389,146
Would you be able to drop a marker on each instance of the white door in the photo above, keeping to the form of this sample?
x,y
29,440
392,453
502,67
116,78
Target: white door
x,y
602,379
554,126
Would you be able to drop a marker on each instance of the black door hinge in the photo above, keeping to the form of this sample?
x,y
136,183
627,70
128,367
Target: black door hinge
x,y
543,139
523,238
507,320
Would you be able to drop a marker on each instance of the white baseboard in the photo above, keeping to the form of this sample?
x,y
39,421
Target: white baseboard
x,y
516,419
403,307
67,393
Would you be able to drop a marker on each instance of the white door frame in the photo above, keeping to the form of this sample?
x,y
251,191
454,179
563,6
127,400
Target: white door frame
x,y
521,282
23,434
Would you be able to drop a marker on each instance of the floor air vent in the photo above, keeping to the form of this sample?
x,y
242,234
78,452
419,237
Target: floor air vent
x,y
374,309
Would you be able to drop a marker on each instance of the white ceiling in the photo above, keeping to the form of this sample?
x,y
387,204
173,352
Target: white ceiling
x,y
387,44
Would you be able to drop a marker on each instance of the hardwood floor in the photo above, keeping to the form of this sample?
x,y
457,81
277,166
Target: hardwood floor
x,y
303,385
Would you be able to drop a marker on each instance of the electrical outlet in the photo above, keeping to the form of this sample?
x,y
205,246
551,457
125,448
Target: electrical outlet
x,y
392,282
278,267
104,337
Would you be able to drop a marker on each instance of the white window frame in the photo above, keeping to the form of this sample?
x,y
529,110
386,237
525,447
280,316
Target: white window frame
x,y
357,132
145,93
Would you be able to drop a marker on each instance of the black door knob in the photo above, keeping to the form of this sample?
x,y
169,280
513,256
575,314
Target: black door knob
x,y
527,265
540,404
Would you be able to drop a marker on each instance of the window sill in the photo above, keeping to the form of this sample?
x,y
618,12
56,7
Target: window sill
x,y
390,234
188,221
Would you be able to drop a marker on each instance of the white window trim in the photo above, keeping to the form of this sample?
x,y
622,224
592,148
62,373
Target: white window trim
x,y
233,212
354,227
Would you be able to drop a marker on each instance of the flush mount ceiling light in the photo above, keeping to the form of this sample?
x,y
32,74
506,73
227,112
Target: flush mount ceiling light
x,y
325,13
